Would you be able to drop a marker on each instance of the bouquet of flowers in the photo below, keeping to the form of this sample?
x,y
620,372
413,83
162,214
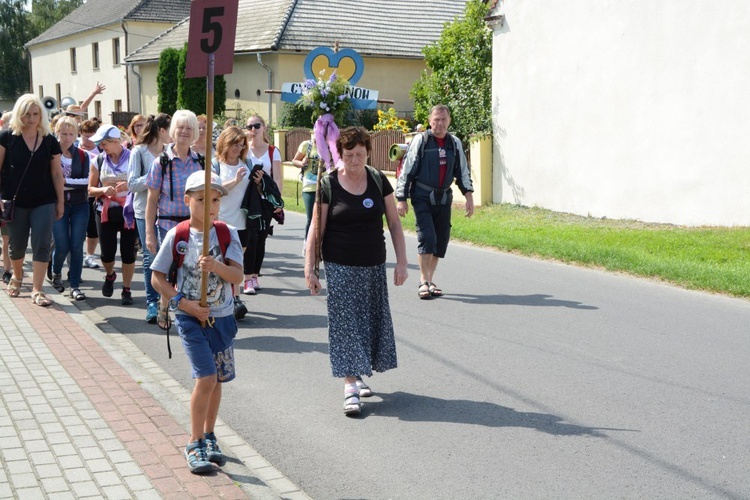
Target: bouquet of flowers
x,y
326,97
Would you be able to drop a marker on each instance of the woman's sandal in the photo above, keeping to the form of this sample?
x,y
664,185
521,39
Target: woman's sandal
x,y
163,319
424,290
14,287
364,389
352,406
40,299
435,291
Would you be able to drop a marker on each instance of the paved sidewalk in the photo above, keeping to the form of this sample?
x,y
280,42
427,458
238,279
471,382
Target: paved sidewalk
x,y
85,414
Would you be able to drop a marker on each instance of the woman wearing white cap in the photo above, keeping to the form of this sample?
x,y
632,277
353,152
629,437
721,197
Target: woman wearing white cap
x,y
108,181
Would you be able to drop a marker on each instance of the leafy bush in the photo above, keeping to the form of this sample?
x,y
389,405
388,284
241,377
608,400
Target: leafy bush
x,y
166,81
293,116
191,92
460,75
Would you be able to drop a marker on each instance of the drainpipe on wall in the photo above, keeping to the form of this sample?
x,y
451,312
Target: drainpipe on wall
x,y
127,74
140,90
270,85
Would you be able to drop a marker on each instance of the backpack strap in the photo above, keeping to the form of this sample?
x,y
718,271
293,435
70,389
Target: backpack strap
x,y
224,236
165,162
325,182
182,233
325,186
375,174
100,161
202,161
271,149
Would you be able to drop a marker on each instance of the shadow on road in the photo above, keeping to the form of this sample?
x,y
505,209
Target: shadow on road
x,y
270,343
418,408
536,300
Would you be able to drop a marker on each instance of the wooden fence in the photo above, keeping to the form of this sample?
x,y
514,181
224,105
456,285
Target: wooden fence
x,y
381,143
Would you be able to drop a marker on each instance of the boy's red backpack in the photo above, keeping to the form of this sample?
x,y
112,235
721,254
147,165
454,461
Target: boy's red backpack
x,y
182,234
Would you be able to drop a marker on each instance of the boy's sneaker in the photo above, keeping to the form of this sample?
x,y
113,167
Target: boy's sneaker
x,y
152,312
248,289
126,298
57,283
197,460
108,288
240,309
213,452
90,262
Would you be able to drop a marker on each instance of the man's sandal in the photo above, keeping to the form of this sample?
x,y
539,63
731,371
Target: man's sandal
x,y
14,287
352,405
424,290
40,299
163,319
435,291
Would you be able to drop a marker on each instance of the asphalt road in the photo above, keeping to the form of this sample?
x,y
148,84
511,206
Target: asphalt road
x,y
529,379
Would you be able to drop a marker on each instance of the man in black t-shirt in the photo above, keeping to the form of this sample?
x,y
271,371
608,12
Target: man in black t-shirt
x,y
433,160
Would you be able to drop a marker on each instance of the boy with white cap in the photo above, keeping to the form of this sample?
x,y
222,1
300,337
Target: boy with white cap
x,y
207,333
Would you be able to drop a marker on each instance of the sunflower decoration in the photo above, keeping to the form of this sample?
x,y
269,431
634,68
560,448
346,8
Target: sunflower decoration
x,y
388,120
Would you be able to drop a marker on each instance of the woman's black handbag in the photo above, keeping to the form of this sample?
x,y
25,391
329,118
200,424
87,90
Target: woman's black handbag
x,y
8,210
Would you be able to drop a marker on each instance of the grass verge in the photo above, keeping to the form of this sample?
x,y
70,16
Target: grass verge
x,y
715,259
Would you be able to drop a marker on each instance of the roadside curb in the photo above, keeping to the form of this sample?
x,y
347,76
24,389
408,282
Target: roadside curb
x,y
260,479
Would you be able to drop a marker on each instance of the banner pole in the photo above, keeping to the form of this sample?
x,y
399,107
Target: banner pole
x,y
207,168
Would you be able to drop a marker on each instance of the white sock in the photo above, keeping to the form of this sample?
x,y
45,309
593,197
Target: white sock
x,y
350,389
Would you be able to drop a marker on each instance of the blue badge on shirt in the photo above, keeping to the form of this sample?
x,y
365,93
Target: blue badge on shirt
x,y
368,203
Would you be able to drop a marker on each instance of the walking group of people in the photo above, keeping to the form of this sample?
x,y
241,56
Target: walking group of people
x,y
150,186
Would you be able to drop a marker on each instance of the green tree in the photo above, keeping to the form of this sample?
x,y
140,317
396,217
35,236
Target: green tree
x,y
46,13
18,26
14,29
191,92
460,74
166,81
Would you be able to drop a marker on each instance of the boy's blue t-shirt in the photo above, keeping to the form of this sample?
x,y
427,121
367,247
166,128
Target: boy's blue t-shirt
x,y
219,295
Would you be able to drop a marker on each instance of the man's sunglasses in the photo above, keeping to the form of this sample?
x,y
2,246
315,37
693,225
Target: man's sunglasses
x,y
254,126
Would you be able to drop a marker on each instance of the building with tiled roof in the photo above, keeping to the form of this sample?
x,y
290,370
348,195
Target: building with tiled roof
x,y
274,36
89,45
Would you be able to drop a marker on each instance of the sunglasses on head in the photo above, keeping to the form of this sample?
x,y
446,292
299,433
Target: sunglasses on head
x,y
254,126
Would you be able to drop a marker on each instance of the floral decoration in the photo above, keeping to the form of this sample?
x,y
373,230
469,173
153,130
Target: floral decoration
x,y
387,120
326,96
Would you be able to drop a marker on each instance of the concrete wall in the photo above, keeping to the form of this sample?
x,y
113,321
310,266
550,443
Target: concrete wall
x,y
624,109
51,65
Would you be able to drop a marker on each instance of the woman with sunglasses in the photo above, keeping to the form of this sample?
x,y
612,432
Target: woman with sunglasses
x,y
260,152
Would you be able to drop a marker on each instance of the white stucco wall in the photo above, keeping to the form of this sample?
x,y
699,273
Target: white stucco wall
x,y
50,65
624,109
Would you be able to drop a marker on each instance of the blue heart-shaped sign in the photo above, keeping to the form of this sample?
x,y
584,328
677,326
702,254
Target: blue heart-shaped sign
x,y
347,63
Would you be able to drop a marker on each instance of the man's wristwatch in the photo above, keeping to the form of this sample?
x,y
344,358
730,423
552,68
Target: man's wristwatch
x,y
174,302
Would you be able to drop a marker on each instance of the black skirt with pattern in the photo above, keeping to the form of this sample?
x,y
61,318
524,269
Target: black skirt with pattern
x,y
360,329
